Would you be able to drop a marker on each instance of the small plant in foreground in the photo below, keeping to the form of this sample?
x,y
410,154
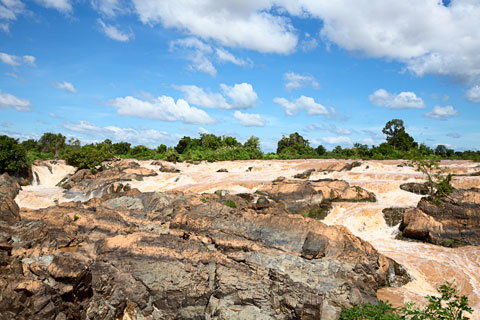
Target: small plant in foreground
x,y
447,306
75,218
231,204
438,180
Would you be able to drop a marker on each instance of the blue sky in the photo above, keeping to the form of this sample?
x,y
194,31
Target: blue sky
x,y
149,72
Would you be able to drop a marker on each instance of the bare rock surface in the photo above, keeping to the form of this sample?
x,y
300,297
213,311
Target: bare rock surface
x,y
174,255
340,190
453,221
415,187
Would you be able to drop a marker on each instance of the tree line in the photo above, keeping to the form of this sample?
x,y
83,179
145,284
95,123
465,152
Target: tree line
x,y
17,156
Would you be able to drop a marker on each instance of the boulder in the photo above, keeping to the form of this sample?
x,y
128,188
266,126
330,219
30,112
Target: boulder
x,y
9,211
9,185
305,174
222,170
393,216
452,221
414,187
340,190
168,168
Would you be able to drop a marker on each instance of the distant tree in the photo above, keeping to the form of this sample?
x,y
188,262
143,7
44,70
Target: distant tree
x,y
397,137
210,141
183,144
294,144
230,141
13,157
252,143
441,150
121,148
361,149
30,145
51,142
139,150
320,150
162,148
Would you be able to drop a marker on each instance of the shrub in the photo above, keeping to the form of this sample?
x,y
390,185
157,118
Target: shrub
x,y
13,158
447,306
231,204
85,157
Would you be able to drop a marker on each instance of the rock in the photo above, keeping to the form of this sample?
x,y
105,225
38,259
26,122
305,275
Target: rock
x,y
414,187
453,221
9,186
168,168
222,170
340,190
305,174
172,255
393,216
9,211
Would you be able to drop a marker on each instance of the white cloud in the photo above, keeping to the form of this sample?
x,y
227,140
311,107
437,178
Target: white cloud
x,y
367,141
67,86
342,140
113,33
63,6
107,7
302,103
242,24
330,128
10,101
5,27
144,136
243,96
15,61
403,100
297,81
9,9
428,37
225,56
308,43
249,119
162,108
442,112
473,94
198,54
199,97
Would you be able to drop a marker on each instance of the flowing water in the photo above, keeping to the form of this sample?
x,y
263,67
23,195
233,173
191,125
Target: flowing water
x,y
429,265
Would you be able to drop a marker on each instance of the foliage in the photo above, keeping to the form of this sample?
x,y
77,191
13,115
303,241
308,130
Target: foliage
x,y
85,157
231,204
438,180
294,145
13,157
447,306
162,148
397,136
52,143
121,148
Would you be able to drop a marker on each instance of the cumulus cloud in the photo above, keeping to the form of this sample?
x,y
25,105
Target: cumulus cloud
x,y
308,43
10,101
144,136
303,103
113,33
242,95
225,56
296,81
15,61
199,54
107,7
9,9
249,119
244,24
162,108
403,100
442,112
330,128
342,140
199,97
67,86
63,6
473,94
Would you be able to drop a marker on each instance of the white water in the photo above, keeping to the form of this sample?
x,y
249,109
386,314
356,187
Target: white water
x,y
430,265
43,192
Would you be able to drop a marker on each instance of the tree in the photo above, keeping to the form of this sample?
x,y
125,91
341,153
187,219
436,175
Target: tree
x,y
30,145
51,142
162,148
121,148
13,158
252,143
438,180
294,144
183,144
320,150
441,150
397,137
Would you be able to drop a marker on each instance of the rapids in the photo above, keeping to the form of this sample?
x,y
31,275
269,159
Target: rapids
x,y
430,265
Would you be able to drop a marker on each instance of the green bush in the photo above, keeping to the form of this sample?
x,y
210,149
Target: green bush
x,y
447,306
85,157
13,158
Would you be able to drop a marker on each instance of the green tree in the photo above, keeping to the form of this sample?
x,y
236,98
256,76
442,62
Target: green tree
x,y
397,136
320,150
438,180
294,144
121,148
162,148
183,144
252,143
86,157
30,145
13,157
51,142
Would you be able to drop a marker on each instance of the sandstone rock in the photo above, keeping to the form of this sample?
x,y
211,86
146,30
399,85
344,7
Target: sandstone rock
x,y
453,221
340,190
9,185
305,174
414,187
168,168
393,216
185,256
9,211
222,170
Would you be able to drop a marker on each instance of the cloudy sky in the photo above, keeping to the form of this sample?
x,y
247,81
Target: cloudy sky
x,y
151,71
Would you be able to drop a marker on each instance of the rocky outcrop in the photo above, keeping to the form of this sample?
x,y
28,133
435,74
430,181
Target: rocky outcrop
x,y
168,168
135,255
340,190
393,216
222,170
414,187
305,174
453,221
9,188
